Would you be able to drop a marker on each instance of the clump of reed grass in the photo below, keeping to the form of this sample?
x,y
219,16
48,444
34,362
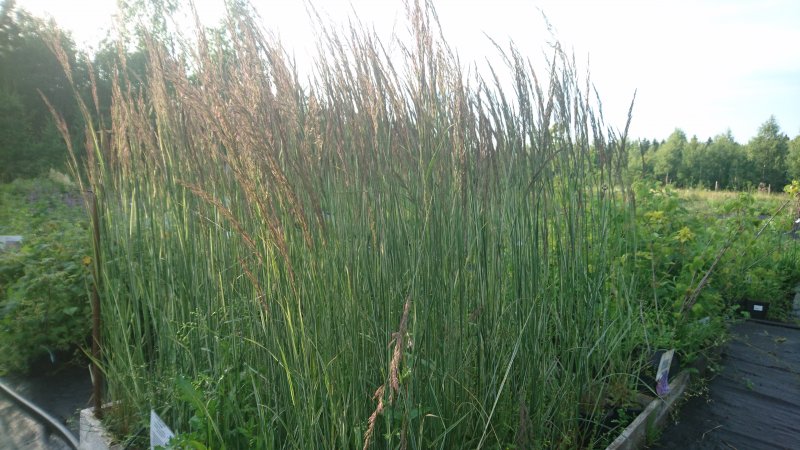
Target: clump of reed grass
x,y
259,233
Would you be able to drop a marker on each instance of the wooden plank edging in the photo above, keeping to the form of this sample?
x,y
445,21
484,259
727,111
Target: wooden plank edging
x,y
654,416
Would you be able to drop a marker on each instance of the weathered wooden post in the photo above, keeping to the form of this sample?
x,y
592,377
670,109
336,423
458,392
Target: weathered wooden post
x,y
97,375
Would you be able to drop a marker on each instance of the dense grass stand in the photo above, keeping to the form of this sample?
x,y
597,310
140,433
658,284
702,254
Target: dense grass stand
x,y
393,252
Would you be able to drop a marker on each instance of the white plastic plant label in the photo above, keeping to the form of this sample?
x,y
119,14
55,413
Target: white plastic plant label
x,y
160,434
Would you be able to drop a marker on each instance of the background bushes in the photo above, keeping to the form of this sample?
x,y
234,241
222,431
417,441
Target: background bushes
x,y
44,312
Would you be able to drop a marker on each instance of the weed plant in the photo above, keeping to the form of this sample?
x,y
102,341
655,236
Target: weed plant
x,y
391,254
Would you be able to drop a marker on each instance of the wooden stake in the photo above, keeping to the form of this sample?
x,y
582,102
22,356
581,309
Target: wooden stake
x,y
97,375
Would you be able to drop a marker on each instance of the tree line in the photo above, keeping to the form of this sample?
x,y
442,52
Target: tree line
x,y
770,160
30,143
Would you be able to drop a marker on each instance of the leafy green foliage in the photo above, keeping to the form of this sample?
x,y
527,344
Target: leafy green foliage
x,y
793,159
724,164
740,246
44,310
676,248
764,265
668,159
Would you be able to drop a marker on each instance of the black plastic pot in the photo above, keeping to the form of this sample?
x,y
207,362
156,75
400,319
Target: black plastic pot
x,y
757,309
674,368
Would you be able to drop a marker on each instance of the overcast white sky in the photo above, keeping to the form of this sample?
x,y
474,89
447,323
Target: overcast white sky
x,y
703,66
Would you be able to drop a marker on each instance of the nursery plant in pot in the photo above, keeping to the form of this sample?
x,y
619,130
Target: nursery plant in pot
x,y
762,285
756,309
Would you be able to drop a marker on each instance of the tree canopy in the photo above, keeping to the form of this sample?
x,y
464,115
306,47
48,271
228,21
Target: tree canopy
x,y
769,160
29,70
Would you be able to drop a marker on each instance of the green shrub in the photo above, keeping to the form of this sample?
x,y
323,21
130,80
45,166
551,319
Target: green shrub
x,y
43,303
680,245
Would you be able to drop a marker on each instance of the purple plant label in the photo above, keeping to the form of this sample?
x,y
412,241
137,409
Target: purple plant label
x,y
662,386
662,376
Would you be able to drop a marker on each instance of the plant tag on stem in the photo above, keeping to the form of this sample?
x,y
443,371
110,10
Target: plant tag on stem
x,y
662,376
160,434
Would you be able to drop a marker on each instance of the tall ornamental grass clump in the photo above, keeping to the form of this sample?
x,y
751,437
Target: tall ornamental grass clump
x,y
390,254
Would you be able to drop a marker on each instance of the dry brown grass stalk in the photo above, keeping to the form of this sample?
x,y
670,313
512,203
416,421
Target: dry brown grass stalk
x,y
399,341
